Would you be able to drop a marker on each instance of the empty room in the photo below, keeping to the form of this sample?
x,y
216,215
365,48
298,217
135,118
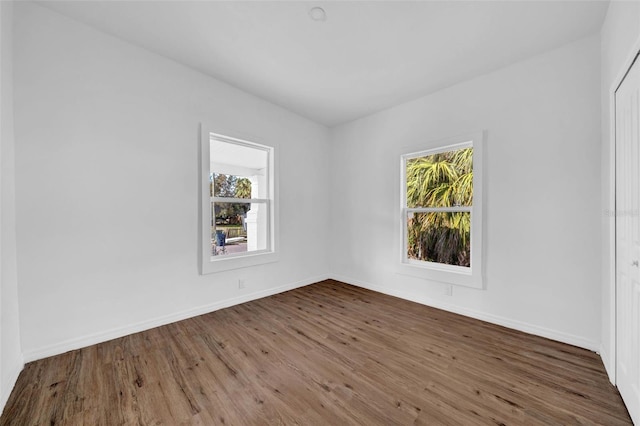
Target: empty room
x,y
320,213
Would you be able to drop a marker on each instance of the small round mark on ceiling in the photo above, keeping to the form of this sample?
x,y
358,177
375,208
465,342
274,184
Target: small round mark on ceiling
x,y
317,14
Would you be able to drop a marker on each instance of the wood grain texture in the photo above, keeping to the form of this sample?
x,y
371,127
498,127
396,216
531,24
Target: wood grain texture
x,y
325,354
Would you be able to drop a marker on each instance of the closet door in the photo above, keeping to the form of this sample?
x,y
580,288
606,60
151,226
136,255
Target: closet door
x,y
628,240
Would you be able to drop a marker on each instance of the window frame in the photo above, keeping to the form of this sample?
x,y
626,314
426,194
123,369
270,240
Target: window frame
x,y
212,264
471,276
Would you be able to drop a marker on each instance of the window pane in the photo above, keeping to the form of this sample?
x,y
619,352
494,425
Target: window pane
x,y
444,179
237,170
440,237
238,228
221,185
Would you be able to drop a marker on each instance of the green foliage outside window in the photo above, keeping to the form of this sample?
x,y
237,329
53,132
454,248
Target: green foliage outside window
x,y
441,180
221,185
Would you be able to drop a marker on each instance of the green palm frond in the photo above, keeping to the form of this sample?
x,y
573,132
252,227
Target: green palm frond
x,y
243,188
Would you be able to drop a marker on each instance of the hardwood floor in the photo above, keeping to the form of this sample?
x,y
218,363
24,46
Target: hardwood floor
x,y
326,354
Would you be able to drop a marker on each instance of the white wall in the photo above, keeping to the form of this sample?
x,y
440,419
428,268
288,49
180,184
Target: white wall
x,y
10,351
542,118
620,37
106,179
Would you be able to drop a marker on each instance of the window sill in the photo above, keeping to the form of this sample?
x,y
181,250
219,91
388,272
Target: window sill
x,y
441,273
238,262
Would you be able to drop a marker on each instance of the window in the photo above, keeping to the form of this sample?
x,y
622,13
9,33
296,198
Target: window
x,y
442,212
237,203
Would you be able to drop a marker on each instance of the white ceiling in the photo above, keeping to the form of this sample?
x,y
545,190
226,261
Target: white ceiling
x,y
365,57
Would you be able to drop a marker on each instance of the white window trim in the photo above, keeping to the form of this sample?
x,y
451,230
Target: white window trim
x,y
451,274
212,264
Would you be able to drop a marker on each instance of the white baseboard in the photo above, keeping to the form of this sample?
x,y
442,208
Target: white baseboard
x,y
84,341
7,388
608,366
100,337
483,316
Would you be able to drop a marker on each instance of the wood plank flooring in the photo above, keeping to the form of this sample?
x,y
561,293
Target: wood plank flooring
x,y
325,354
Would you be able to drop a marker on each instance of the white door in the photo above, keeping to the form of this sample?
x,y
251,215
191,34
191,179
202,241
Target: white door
x,y
628,240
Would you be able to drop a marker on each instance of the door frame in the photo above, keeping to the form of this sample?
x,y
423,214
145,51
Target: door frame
x,y
609,355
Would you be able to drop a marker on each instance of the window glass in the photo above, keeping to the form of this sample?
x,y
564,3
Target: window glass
x,y
238,171
443,179
440,237
439,197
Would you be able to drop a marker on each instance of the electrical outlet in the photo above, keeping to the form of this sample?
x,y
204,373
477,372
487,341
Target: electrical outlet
x,y
241,283
448,290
